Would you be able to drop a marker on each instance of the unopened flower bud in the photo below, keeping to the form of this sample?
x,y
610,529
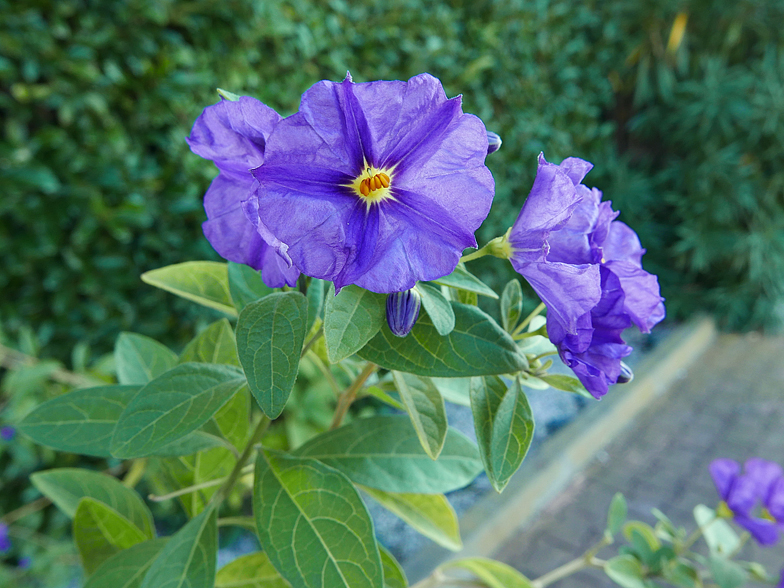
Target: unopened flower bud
x,y
626,375
403,311
493,142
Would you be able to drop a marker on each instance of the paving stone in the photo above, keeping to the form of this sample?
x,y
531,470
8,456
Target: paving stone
x,y
729,405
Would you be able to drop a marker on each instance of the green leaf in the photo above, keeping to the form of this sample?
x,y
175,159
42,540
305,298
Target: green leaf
x,y
430,514
438,308
67,486
228,95
190,444
215,344
511,305
616,515
384,452
426,409
720,537
463,280
173,405
140,359
127,568
645,531
81,421
504,426
315,298
270,334
476,347
567,384
455,390
394,576
203,282
351,319
246,285
250,571
100,531
233,419
313,525
684,575
626,571
382,396
493,573
189,558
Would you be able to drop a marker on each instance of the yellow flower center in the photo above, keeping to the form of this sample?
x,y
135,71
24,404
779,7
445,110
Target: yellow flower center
x,y
373,185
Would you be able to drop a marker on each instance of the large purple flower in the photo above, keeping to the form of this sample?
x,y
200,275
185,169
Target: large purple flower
x,y
769,478
377,184
233,134
741,493
586,267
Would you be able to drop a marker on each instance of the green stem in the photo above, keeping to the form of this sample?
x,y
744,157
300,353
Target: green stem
x,y
224,490
25,510
245,522
350,394
692,539
12,359
187,490
327,373
312,340
527,320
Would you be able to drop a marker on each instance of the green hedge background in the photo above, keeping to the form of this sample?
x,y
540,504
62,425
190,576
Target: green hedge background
x,y
99,186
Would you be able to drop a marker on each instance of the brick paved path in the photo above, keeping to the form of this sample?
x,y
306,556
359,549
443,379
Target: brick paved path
x,y
730,404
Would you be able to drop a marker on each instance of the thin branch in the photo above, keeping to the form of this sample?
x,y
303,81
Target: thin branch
x,y
537,311
182,491
312,340
350,394
12,359
224,490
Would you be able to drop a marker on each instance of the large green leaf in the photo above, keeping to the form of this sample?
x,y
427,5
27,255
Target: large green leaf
x,y
313,525
511,305
204,282
438,308
394,576
504,426
189,558
426,409
99,532
476,347
246,285
250,571
173,405
67,486
127,568
726,573
140,359
215,344
270,334
567,384
81,421
430,514
351,319
384,452
462,279
616,514
190,444
495,574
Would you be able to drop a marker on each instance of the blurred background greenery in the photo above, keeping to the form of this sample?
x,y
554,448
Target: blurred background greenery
x,y
678,103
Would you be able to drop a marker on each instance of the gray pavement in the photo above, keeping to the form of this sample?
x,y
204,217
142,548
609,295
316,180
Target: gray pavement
x,y
729,404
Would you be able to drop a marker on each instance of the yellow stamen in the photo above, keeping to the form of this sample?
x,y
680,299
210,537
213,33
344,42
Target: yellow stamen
x,y
373,185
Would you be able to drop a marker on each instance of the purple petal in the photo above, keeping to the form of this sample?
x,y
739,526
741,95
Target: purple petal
x,y
743,495
775,500
576,168
724,472
643,302
233,132
764,532
781,580
568,291
764,473
622,244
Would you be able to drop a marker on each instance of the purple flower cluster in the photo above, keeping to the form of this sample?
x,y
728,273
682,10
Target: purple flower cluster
x,y
377,184
587,269
5,540
759,485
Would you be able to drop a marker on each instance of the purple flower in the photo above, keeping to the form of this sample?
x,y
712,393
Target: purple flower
x,y
769,478
586,267
233,135
403,311
377,184
7,433
741,494
24,562
5,541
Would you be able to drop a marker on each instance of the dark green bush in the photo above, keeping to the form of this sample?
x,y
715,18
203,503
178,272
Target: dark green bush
x,y
99,186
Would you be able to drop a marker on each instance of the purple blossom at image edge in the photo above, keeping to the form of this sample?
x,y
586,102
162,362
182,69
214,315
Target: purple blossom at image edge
x,y
587,269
